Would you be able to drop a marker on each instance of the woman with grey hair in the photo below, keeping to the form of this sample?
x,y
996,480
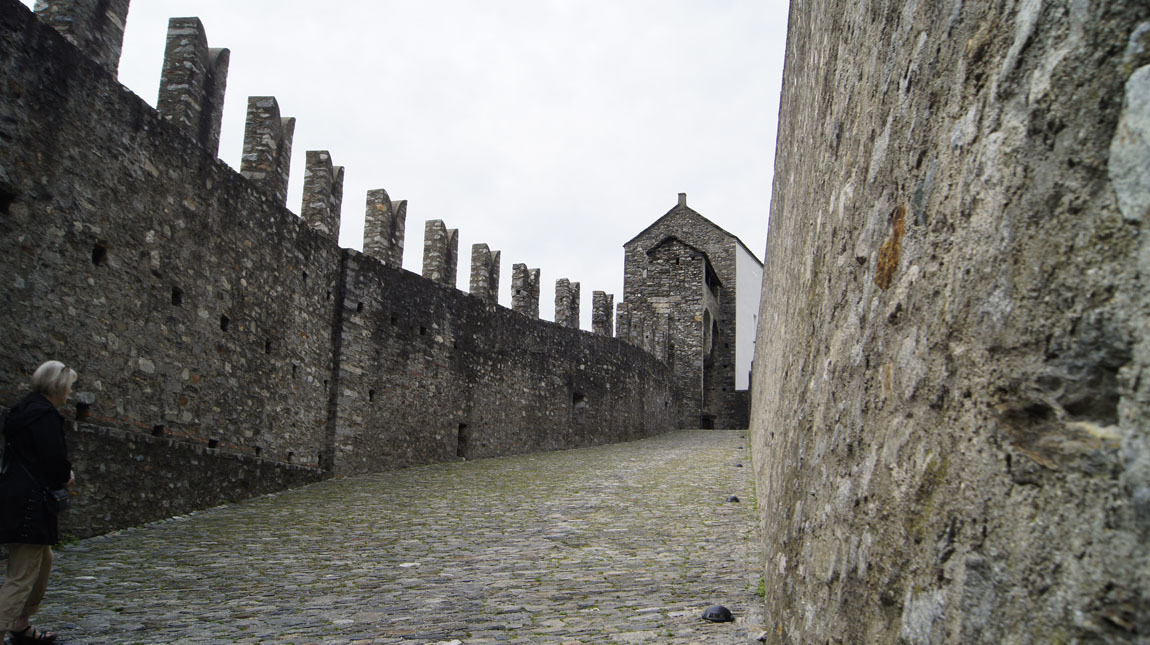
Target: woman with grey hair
x,y
35,463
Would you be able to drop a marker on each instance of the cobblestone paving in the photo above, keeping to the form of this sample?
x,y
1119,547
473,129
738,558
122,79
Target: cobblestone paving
x,y
616,544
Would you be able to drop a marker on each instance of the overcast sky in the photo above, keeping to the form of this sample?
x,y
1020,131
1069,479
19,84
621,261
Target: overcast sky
x,y
552,130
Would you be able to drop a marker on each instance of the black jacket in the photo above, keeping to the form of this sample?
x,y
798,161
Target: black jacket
x,y
35,462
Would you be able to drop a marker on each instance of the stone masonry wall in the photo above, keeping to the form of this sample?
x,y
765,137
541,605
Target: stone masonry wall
x,y
951,389
429,373
677,323
207,322
690,227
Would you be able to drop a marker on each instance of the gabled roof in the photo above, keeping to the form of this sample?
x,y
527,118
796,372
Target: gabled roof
x,y
683,208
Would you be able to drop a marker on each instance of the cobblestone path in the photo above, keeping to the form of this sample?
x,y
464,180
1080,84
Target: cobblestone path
x,y
615,544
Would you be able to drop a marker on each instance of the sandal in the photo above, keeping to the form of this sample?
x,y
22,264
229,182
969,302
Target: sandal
x,y
22,637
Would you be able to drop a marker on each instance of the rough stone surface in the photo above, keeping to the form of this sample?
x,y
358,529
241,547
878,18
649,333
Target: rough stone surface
x,y
267,147
618,544
193,81
567,303
951,394
686,313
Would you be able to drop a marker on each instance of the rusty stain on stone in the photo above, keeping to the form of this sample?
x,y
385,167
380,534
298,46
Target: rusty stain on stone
x,y
888,254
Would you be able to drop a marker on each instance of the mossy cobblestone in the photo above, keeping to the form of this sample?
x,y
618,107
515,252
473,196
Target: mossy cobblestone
x,y
614,544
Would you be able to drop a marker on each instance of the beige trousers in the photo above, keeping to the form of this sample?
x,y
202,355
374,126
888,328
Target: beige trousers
x,y
24,586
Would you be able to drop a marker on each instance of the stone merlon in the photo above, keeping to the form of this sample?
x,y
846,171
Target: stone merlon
x,y
94,26
267,147
383,228
322,194
485,273
193,82
440,252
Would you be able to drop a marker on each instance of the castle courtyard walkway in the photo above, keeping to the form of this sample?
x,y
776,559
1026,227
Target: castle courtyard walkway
x,y
615,544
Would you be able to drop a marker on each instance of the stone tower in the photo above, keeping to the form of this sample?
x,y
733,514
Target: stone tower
x,y
691,297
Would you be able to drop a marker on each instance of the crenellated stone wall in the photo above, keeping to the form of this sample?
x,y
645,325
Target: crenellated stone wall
x,y
227,347
428,373
951,387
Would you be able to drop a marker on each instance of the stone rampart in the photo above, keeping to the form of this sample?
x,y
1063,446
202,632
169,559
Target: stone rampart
x,y
428,373
208,321
951,385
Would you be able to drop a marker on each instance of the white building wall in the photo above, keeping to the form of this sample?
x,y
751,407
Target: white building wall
x,y
748,287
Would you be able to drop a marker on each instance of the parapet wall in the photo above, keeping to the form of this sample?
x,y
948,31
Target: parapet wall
x,y
476,379
201,313
951,385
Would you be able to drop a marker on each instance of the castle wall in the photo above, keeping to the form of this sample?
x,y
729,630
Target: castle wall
x,y
950,390
429,373
208,323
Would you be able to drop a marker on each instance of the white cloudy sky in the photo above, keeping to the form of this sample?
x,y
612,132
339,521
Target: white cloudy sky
x,y
552,130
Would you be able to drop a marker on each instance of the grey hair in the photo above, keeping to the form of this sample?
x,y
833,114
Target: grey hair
x,y
53,378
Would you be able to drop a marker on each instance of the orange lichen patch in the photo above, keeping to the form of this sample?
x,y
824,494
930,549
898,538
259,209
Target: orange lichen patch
x,y
889,253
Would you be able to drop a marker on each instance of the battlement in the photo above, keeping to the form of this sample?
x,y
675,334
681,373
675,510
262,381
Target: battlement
x,y
193,82
96,27
267,147
383,228
485,273
602,309
440,252
525,290
567,303
322,194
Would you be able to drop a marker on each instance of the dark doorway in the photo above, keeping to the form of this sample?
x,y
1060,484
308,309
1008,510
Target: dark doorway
x,y
463,441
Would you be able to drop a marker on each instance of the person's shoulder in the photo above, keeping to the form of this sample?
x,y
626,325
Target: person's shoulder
x,y
30,408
